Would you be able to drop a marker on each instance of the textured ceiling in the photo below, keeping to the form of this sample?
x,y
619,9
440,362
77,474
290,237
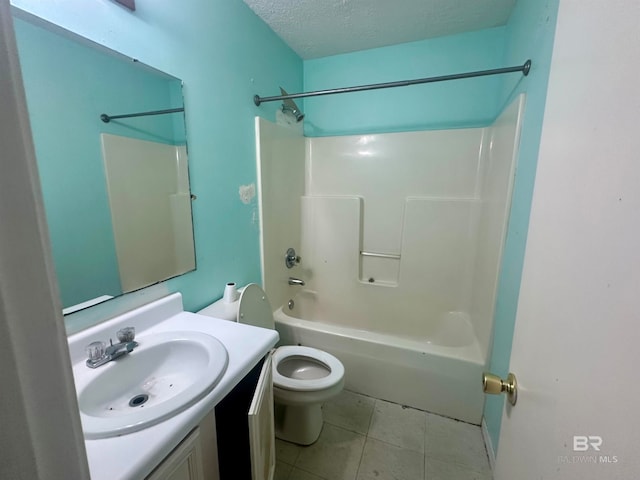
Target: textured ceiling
x,y
319,28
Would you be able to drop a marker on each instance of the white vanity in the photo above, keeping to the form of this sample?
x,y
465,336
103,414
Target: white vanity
x,y
175,437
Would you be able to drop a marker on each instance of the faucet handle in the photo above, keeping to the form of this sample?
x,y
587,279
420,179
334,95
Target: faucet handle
x,y
126,334
95,351
291,258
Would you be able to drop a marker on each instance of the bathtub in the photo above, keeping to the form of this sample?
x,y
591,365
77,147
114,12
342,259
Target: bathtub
x,y
440,373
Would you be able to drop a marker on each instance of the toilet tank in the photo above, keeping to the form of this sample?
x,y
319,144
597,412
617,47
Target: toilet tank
x,y
223,310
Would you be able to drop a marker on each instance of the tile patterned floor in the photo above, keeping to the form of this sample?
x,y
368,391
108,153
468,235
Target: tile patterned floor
x,y
368,439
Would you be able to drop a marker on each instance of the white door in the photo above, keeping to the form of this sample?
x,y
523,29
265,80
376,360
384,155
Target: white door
x,y
576,349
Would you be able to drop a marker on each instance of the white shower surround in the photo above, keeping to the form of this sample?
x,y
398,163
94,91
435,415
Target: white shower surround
x,y
439,200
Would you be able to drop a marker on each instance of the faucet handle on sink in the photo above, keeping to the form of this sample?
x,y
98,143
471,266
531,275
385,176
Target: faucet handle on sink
x,y
95,351
126,334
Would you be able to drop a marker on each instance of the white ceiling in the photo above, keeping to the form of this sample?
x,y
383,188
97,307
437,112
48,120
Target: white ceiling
x,y
319,28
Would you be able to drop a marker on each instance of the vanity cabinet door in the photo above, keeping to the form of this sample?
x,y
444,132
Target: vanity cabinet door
x,y
261,426
184,463
195,458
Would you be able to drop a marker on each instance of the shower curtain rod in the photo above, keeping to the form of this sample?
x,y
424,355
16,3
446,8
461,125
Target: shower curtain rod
x,y
107,118
481,73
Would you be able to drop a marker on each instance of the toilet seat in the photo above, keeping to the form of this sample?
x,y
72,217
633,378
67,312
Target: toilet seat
x,y
334,366
254,309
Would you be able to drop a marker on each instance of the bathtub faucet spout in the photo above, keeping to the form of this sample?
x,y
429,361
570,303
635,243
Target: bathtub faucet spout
x,y
296,281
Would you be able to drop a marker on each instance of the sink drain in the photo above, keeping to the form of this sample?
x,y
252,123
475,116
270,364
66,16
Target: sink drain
x,y
138,400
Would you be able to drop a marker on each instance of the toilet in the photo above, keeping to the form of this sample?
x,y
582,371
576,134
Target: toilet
x,y
303,377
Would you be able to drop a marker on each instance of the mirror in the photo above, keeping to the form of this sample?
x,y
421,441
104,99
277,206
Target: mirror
x,y
116,194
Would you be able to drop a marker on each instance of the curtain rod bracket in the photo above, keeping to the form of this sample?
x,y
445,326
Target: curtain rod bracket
x,y
524,69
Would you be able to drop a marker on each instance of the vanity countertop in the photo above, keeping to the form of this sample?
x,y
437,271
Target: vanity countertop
x,y
134,455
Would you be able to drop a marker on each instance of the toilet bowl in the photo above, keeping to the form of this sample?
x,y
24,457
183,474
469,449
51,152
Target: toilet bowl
x,y
303,377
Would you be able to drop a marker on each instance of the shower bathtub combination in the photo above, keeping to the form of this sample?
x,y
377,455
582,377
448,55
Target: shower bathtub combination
x,y
400,237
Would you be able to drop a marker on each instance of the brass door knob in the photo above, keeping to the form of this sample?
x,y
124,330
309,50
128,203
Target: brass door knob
x,y
494,385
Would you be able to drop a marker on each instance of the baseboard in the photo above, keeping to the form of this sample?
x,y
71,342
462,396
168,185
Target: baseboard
x,y
488,445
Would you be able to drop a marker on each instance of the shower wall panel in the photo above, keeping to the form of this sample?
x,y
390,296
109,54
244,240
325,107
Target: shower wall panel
x,y
280,166
432,204
435,263
385,169
496,186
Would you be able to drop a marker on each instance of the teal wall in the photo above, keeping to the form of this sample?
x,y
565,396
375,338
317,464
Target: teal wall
x,y
456,104
68,85
529,34
224,54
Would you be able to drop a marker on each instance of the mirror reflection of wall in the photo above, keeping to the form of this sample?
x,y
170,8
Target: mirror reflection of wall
x,y
69,84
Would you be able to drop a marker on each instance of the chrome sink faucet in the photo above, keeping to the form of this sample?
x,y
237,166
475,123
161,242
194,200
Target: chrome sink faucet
x,y
99,353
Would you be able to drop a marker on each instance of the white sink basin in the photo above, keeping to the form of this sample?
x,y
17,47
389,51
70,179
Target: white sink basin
x,y
167,373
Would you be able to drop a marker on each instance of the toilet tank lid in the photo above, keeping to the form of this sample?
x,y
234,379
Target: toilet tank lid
x,y
255,308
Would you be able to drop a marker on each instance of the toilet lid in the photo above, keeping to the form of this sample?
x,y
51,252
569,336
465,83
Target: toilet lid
x,y
335,367
254,308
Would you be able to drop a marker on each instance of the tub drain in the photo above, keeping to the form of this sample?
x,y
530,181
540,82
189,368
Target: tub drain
x,y
138,400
